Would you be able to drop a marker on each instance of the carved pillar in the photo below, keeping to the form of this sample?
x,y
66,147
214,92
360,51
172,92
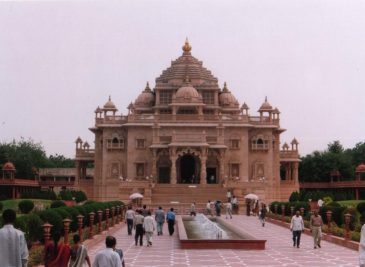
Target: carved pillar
x,y
113,213
203,170
221,165
154,163
91,218
100,217
173,166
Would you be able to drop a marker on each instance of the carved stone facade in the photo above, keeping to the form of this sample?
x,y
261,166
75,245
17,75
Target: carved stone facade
x,y
187,130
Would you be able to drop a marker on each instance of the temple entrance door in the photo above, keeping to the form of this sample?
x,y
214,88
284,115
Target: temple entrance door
x,y
211,175
164,175
187,169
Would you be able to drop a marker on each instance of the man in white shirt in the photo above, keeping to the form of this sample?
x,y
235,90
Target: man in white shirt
x,y
149,228
13,247
297,227
228,209
129,217
209,208
108,257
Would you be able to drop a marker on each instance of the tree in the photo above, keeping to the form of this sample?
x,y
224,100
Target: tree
x,y
25,155
60,161
335,147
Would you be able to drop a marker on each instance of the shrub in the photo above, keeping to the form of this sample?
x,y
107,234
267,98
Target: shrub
x,y
361,207
294,197
79,196
31,225
26,206
57,204
73,212
1,206
52,217
66,195
362,217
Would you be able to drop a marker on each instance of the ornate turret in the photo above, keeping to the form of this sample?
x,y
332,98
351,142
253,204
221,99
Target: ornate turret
x,y
146,99
8,170
109,106
226,98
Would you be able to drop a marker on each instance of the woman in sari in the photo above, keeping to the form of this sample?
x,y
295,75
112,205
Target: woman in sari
x,y
56,254
78,254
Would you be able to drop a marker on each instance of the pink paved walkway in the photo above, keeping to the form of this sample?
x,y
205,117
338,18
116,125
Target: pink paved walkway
x,y
279,251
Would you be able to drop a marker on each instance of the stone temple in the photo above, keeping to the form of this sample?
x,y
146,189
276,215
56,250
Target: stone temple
x,y
187,140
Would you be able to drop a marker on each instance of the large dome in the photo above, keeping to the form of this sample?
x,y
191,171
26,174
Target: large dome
x,y
226,99
8,166
146,98
187,93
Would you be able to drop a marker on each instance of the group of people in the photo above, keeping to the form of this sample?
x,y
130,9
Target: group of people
x,y
143,223
14,249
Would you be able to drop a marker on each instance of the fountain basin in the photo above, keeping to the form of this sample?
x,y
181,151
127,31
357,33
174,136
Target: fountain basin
x,y
192,236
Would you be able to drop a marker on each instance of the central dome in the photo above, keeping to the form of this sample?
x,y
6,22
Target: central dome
x,y
187,93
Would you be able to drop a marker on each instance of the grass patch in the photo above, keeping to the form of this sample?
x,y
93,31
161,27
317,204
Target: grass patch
x,y
13,203
348,203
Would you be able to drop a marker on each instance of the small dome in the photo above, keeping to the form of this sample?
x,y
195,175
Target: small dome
x,y
244,106
8,166
360,168
294,141
78,140
187,93
285,146
276,111
98,110
266,106
109,105
226,98
146,98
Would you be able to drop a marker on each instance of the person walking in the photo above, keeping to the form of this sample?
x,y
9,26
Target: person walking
x,y
262,214
228,209
129,218
160,219
108,256
362,243
234,202
13,246
209,208
218,207
144,211
57,254
149,228
297,227
170,218
138,226
316,228
78,253
192,209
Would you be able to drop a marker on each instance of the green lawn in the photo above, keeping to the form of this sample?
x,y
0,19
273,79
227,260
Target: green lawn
x,y
13,203
347,203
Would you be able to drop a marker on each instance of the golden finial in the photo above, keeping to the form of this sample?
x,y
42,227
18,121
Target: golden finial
x,y
187,47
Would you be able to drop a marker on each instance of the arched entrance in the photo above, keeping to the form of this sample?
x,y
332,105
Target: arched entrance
x,y
187,169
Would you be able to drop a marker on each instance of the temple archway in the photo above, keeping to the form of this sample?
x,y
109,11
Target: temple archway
x,y
163,169
188,169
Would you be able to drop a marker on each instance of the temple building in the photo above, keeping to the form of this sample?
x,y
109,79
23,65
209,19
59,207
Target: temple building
x,y
187,139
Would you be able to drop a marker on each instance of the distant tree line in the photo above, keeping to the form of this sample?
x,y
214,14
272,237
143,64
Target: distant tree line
x,y
28,156
317,166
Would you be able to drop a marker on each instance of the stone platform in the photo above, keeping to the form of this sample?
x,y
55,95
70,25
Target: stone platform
x,y
279,251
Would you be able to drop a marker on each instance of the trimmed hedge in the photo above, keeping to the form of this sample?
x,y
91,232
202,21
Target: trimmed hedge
x,y
79,196
361,207
42,194
26,206
57,204
1,206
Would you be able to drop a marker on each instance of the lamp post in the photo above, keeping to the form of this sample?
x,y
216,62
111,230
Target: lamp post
x,y
66,227
46,232
118,214
100,217
347,225
301,211
329,218
107,219
282,213
80,222
91,216
113,213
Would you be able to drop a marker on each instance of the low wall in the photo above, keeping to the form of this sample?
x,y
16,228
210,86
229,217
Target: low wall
x,y
187,243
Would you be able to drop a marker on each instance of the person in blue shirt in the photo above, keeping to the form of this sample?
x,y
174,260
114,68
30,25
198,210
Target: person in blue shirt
x,y
170,218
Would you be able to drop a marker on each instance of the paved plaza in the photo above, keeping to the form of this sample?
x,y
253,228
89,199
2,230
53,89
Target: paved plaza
x,y
279,251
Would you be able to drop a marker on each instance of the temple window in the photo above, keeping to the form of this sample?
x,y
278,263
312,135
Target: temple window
x,y
115,143
140,143
235,170
259,143
208,97
140,170
165,97
234,144
208,112
165,111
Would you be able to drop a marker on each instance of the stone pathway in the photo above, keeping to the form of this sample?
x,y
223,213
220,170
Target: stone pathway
x,y
279,251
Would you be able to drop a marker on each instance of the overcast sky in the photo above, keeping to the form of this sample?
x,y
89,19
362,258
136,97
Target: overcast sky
x,y
60,60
